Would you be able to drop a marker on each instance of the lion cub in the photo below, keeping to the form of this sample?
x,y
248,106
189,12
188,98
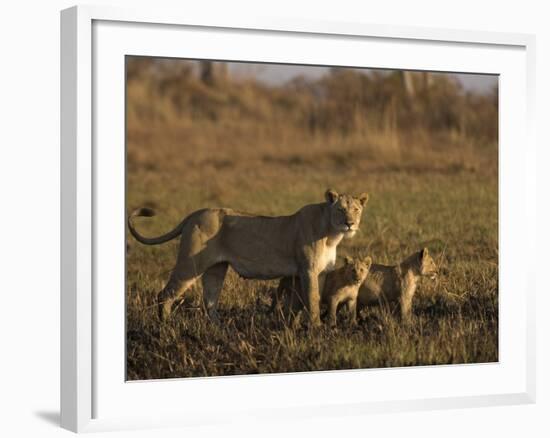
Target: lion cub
x,y
341,286
397,284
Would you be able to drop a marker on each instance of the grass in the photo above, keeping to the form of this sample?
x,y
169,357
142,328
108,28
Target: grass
x,y
455,318
443,196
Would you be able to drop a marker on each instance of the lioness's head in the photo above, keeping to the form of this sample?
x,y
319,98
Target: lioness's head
x,y
427,265
345,211
356,270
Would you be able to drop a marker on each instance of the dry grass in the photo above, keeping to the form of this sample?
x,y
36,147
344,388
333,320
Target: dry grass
x,y
247,146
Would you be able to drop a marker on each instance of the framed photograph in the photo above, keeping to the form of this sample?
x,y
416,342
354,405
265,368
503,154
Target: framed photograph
x,y
266,218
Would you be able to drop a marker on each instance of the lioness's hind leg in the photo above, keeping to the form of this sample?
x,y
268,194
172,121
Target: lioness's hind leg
x,y
187,270
212,283
192,262
174,289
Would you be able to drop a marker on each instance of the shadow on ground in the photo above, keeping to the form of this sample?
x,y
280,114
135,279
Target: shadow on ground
x,y
51,417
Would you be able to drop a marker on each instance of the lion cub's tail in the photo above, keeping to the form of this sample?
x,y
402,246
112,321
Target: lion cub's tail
x,y
148,212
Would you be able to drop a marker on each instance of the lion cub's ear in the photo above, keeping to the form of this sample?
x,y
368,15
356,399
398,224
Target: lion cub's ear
x,y
331,196
423,253
348,260
368,261
363,198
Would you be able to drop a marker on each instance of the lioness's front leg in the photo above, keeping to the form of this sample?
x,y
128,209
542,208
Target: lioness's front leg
x,y
310,287
212,283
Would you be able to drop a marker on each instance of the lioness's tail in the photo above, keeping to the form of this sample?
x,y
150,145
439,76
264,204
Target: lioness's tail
x,y
147,212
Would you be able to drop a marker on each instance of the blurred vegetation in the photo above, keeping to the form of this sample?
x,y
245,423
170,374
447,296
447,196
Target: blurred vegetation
x,y
393,110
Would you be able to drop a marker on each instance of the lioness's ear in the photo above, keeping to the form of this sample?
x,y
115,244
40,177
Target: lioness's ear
x,y
368,261
348,260
331,196
364,198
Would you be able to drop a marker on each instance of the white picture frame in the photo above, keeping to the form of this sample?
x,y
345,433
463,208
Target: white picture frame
x,y
93,39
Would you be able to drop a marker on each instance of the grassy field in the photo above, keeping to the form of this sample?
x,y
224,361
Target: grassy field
x,y
444,196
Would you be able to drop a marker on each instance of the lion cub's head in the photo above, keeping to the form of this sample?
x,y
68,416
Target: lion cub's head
x,y
426,264
345,211
356,270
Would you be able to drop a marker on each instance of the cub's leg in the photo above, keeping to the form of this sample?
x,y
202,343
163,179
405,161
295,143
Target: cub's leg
x,y
405,307
333,303
212,283
352,310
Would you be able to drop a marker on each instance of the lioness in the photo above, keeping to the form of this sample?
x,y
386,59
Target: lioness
x,y
397,284
256,247
341,286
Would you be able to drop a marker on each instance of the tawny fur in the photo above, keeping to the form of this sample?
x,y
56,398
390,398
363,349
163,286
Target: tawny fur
x,y
396,284
341,286
256,247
